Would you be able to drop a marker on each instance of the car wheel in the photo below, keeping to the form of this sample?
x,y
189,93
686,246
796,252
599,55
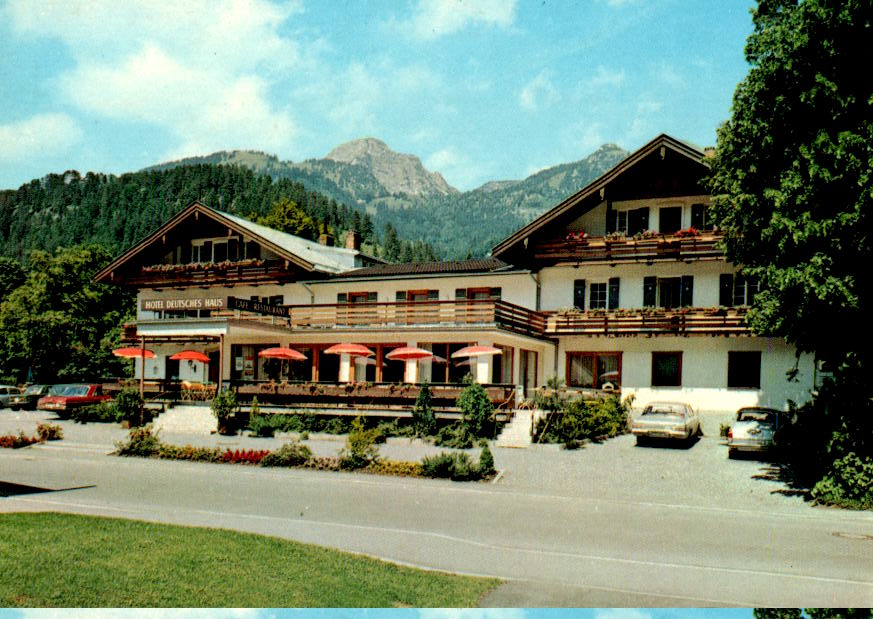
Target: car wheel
x,y
641,440
732,453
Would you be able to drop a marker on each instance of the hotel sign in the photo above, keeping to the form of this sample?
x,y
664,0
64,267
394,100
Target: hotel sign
x,y
183,304
247,305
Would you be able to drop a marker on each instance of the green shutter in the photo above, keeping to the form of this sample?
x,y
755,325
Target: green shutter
x,y
341,297
460,293
579,294
613,293
650,291
400,296
726,290
372,297
433,295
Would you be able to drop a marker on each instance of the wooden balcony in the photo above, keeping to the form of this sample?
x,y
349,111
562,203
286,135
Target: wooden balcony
x,y
686,321
420,314
703,246
185,275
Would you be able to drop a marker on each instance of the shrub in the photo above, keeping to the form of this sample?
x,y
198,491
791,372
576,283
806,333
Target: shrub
x,y
724,429
336,425
292,453
396,467
323,463
304,436
140,442
423,417
455,435
49,432
457,466
477,410
486,462
10,441
225,408
360,449
104,412
263,426
849,483
189,452
128,405
583,420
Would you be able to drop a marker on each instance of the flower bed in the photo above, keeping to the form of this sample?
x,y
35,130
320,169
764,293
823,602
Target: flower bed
x,y
10,441
456,466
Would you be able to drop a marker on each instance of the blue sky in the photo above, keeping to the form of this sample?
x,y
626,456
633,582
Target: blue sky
x,y
479,89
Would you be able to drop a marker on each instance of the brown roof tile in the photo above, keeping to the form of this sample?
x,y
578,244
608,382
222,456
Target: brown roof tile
x,y
479,265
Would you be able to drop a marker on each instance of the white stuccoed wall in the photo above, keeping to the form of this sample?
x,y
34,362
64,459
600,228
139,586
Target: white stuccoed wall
x,y
704,370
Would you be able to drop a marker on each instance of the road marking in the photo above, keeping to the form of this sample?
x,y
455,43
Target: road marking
x,y
470,542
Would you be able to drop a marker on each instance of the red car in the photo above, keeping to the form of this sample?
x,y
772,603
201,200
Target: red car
x,y
64,398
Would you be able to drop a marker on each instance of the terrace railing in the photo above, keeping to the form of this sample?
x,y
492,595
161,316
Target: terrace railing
x,y
210,274
686,321
701,246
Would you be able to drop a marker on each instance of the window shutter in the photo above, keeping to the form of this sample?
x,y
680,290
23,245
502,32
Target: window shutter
x,y
341,297
638,220
400,296
697,216
460,293
650,291
611,217
686,294
433,295
579,294
372,297
494,293
726,290
613,293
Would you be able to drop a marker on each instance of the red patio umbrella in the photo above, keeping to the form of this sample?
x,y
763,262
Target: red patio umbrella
x,y
190,355
409,353
282,353
132,352
477,351
355,350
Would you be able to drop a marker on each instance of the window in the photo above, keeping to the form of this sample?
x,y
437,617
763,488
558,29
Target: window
x,y
593,369
668,292
579,294
700,217
598,296
735,290
744,370
501,366
670,219
666,369
414,296
477,293
217,250
629,221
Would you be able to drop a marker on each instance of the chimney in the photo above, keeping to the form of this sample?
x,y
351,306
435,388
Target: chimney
x,y
325,239
353,240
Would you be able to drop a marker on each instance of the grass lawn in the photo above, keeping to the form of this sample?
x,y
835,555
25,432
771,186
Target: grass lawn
x,y
69,560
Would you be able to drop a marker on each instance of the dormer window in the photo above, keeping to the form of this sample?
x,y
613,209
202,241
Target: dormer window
x,y
223,249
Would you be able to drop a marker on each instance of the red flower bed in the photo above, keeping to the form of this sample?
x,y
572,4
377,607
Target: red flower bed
x,y
11,441
244,456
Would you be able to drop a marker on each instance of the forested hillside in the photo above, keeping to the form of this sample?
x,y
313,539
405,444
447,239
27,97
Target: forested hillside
x,y
62,210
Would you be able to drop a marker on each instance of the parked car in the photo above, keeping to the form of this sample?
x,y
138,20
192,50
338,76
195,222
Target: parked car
x,y
28,398
755,429
64,398
7,392
666,420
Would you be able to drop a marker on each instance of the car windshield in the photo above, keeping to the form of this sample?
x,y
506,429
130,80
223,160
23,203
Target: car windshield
x,y
59,389
76,390
665,408
33,390
753,414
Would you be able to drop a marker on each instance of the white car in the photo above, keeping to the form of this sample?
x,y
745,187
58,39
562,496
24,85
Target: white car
x,y
7,392
754,430
666,420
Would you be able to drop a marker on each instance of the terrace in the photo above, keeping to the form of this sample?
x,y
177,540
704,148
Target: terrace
x,y
649,248
211,274
649,321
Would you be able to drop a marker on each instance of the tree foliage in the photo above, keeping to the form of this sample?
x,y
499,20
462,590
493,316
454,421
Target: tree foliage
x,y
286,216
58,325
793,194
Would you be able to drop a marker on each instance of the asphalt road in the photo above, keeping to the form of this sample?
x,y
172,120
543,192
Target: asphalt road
x,y
609,525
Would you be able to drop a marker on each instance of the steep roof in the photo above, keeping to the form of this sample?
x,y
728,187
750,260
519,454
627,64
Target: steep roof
x,y
665,141
307,255
480,265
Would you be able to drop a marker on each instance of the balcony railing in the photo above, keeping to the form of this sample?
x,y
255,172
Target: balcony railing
x,y
209,274
691,321
603,249
462,313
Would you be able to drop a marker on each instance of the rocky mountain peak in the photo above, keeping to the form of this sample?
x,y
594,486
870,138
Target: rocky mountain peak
x,y
397,172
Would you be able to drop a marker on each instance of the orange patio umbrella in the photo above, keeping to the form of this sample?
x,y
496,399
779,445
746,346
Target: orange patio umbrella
x,y
132,352
409,353
355,350
190,355
476,351
282,353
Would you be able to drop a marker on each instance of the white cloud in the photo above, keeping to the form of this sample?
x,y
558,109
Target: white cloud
x,y
436,18
605,78
39,136
539,93
668,75
457,168
202,70
471,613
